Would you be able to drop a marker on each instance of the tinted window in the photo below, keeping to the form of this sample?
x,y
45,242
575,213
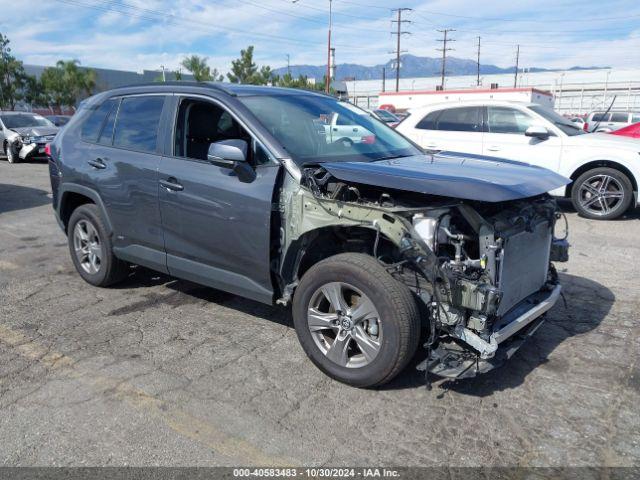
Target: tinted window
x,y
93,124
508,120
25,120
620,117
429,122
599,117
466,119
343,121
567,126
106,135
635,118
137,124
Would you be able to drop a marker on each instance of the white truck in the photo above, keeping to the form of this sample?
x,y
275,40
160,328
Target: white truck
x,y
421,98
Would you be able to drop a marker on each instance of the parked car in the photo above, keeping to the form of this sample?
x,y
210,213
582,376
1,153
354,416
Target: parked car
x,y
605,169
579,121
233,187
23,135
632,131
610,121
340,128
59,120
386,116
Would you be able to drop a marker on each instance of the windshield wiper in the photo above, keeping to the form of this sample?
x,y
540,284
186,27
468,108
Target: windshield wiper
x,y
391,157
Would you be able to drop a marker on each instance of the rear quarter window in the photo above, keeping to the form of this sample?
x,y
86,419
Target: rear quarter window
x,y
620,117
599,117
92,126
429,121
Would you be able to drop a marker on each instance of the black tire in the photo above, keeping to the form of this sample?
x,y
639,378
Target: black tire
x,y
398,316
111,269
597,212
12,157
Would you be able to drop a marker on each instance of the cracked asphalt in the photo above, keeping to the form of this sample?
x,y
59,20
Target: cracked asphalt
x,y
158,371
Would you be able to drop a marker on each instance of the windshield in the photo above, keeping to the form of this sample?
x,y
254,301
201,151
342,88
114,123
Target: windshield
x,y
386,116
25,120
567,126
315,128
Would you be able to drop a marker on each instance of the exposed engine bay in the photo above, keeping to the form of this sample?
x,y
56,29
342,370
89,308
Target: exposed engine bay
x,y
482,270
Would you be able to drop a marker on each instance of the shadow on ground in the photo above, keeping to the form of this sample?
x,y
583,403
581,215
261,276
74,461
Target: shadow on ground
x,y
17,197
587,304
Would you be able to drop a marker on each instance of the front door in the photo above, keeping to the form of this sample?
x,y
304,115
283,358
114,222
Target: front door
x,y
217,229
505,138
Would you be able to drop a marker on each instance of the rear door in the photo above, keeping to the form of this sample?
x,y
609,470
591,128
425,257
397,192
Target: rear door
x,y
123,162
505,138
456,129
217,229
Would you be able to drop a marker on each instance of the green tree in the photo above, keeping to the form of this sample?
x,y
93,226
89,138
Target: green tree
x,y
66,83
244,70
13,79
200,70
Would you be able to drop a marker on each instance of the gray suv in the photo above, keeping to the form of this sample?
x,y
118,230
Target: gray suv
x,y
378,247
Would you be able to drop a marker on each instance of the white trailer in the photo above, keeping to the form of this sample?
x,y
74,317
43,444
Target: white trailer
x,y
406,100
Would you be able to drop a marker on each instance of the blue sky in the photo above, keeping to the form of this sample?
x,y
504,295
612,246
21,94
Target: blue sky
x,y
144,34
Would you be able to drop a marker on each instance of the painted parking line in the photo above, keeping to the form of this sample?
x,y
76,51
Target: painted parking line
x,y
177,420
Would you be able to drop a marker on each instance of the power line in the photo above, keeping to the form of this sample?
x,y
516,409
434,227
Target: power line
x,y
153,16
444,51
399,34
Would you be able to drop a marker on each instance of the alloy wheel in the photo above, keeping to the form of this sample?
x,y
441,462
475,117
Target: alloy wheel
x,y
345,325
601,194
87,246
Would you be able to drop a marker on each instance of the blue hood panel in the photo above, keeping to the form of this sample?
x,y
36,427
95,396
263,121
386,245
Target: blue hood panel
x,y
463,176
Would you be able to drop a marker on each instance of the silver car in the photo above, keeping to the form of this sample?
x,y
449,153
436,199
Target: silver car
x,y
608,122
24,135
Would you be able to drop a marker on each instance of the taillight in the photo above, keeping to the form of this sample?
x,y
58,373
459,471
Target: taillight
x,y
585,127
369,139
47,149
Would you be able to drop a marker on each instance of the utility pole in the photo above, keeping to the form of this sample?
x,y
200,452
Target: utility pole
x,y
478,79
515,81
399,34
444,51
164,78
328,85
384,79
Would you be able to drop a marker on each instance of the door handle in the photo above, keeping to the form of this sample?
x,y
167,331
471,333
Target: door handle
x,y
431,146
97,163
493,148
171,184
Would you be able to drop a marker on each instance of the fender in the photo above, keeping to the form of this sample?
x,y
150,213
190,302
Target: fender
x,y
66,188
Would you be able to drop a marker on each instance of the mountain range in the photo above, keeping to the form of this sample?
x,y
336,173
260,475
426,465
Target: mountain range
x,y
410,66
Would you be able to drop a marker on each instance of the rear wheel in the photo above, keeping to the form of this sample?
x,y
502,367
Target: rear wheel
x,y
90,248
356,322
602,193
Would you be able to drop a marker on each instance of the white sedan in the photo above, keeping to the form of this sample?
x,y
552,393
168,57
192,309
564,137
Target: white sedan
x,y
605,169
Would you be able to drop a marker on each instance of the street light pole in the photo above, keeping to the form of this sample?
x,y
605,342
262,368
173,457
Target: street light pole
x,y
328,82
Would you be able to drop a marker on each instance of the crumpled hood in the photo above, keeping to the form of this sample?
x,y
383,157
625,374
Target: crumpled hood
x,y
463,176
36,131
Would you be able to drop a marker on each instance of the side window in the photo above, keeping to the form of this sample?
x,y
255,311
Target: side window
x,y
635,118
620,117
106,135
466,119
137,124
599,117
508,120
343,121
429,121
92,126
199,124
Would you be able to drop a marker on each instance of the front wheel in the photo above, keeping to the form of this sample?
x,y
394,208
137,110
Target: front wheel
x,y
354,321
602,194
12,156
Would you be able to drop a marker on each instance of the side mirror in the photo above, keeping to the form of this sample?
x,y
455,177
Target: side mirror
x,y
227,153
537,132
232,154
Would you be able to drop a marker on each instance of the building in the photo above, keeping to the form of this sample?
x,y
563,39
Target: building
x,y
576,92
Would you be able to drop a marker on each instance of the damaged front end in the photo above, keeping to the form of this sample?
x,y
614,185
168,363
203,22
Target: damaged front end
x,y
481,269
